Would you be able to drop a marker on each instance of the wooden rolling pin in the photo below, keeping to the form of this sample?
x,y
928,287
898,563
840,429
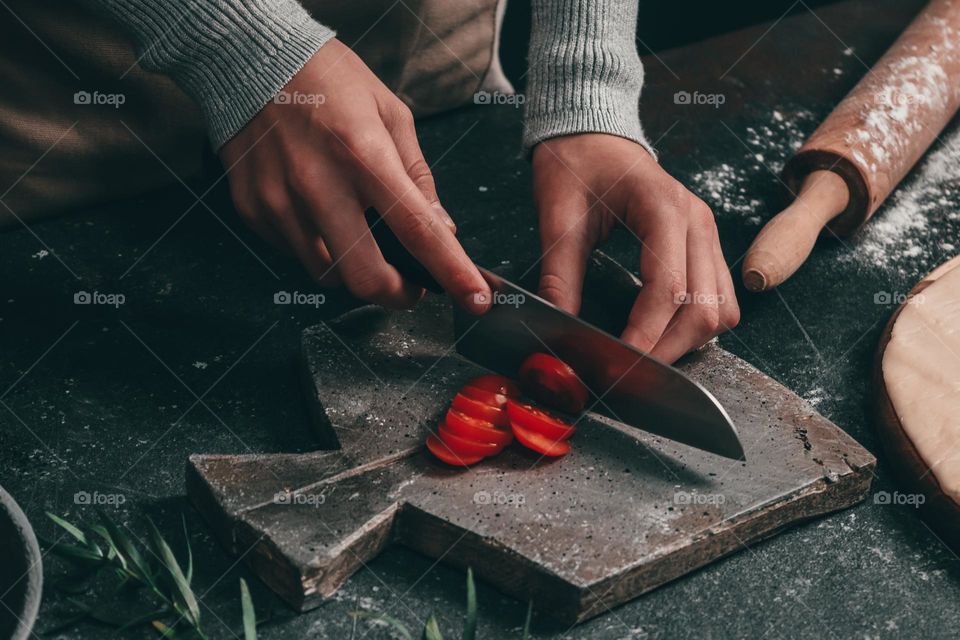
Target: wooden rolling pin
x,y
859,154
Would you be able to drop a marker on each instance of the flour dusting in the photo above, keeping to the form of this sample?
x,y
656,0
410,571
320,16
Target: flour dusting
x,y
904,228
732,191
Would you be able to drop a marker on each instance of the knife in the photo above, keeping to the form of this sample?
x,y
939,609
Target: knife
x,y
626,384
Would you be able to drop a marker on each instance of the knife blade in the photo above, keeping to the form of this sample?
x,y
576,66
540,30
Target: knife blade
x,y
626,384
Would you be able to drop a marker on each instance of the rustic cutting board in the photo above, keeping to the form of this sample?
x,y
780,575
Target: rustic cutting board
x,y
622,514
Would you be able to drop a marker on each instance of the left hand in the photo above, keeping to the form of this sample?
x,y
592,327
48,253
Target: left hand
x,y
584,185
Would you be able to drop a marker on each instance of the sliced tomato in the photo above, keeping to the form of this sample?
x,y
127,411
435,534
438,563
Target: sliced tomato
x,y
497,384
475,429
465,447
541,443
530,418
489,398
446,454
553,382
479,409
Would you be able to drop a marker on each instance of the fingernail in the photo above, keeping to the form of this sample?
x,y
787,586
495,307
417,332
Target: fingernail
x,y
445,216
479,301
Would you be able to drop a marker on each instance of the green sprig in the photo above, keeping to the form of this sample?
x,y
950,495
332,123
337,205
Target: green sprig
x,y
149,565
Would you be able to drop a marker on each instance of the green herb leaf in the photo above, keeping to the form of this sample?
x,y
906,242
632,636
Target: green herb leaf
x,y
432,630
134,562
69,528
249,614
186,539
397,626
526,625
111,546
470,626
185,593
73,552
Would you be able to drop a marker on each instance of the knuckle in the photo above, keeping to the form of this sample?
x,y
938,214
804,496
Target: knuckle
x,y
400,113
273,200
673,285
729,315
707,318
367,284
420,172
675,196
643,336
701,214
301,179
417,229
364,146
553,287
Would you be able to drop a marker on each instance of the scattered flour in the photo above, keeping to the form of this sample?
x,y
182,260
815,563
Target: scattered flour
x,y
903,228
732,191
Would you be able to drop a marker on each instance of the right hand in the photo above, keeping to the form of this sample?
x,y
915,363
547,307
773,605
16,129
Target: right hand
x,y
304,169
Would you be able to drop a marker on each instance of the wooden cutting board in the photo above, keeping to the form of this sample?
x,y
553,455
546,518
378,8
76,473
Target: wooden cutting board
x,y
622,514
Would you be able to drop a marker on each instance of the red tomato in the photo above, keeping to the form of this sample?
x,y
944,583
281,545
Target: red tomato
x,y
498,384
475,429
446,454
489,398
465,447
553,382
529,418
479,409
541,443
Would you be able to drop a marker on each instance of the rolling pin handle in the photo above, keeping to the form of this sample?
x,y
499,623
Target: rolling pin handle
x,y
785,241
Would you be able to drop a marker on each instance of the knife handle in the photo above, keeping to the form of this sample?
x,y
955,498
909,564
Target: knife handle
x,y
397,255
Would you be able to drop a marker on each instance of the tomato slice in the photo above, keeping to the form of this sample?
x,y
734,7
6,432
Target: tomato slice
x,y
541,443
475,429
530,418
489,398
463,446
479,409
445,453
553,382
497,384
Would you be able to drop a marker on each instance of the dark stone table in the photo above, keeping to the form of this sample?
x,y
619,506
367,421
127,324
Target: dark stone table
x,y
200,359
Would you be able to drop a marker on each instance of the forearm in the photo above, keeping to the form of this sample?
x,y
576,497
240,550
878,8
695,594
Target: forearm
x,y
585,74
231,56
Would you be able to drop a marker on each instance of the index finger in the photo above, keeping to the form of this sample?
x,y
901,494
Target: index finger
x,y
423,231
663,257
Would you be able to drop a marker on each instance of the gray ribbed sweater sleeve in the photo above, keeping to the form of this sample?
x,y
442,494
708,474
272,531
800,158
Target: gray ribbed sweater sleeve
x,y
584,71
231,56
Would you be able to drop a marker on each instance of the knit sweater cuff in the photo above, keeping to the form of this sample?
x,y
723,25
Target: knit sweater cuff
x,y
585,74
231,56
